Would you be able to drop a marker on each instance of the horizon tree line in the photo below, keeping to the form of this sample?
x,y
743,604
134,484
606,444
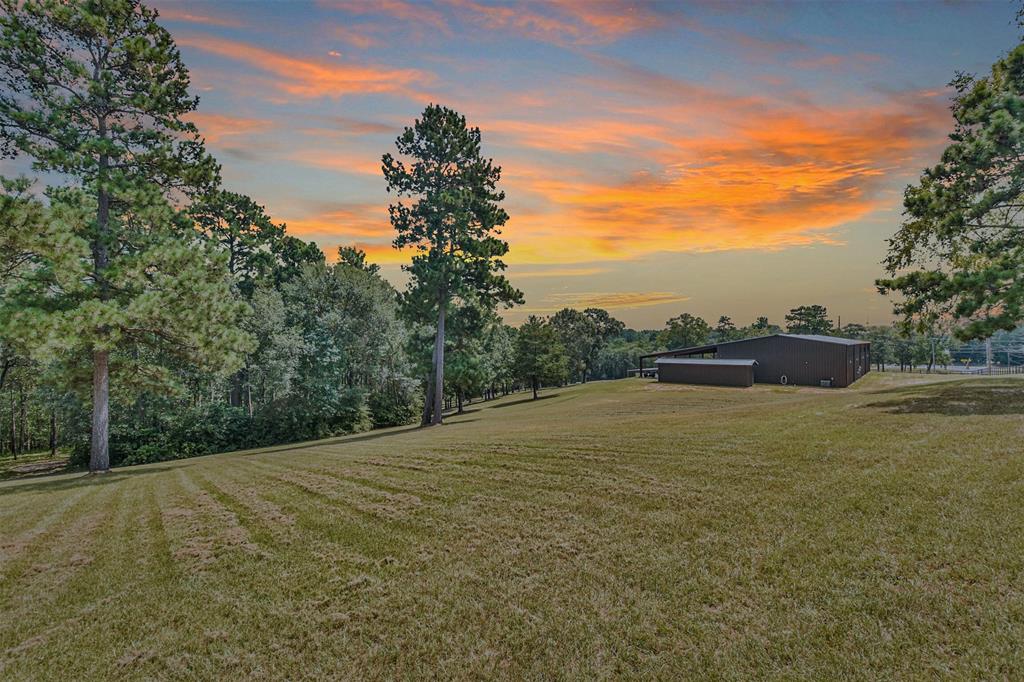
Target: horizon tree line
x,y
146,311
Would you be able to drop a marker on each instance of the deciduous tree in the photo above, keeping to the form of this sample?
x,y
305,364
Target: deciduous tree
x,y
540,357
684,331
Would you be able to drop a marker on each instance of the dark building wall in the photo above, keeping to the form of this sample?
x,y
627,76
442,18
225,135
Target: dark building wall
x,y
804,362
709,375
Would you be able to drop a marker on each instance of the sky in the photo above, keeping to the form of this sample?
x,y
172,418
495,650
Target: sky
x,y
714,158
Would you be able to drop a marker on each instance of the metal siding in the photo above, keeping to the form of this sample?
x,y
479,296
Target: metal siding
x,y
804,362
709,375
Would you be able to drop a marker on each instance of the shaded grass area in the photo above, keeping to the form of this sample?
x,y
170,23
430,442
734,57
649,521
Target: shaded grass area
x,y
615,530
32,464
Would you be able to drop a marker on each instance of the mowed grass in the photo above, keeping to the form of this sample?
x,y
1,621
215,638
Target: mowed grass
x,y
616,530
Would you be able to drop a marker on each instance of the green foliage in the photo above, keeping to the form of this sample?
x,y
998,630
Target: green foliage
x,y
243,231
960,251
97,91
684,331
726,330
808,319
155,429
395,403
540,356
159,290
584,334
356,258
453,223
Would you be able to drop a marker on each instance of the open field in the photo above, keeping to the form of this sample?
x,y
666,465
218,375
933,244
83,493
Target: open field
x,y
620,529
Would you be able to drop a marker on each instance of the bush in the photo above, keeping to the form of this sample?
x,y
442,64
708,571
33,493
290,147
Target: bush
x,y
297,419
397,404
155,430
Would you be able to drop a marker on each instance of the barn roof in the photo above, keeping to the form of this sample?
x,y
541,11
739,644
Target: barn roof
x,y
705,361
713,347
825,339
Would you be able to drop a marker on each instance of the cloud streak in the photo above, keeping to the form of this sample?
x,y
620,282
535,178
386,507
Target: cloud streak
x,y
607,300
310,78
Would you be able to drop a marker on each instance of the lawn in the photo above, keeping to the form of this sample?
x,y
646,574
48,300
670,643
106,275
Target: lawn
x,y
616,530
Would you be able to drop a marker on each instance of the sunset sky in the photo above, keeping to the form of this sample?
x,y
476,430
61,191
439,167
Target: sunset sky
x,y
715,158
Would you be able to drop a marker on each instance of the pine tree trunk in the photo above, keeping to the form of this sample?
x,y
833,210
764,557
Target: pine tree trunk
x,y
439,366
24,442
460,402
99,457
534,383
14,431
428,395
53,433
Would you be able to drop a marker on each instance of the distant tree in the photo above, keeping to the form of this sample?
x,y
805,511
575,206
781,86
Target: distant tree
x,y
963,236
453,223
97,91
760,327
356,257
292,256
243,230
853,331
725,330
584,334
540,357
501,348
808,319
883,346
684,331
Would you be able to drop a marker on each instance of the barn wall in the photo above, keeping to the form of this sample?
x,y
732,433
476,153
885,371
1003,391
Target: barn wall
x,y
708,375
804,362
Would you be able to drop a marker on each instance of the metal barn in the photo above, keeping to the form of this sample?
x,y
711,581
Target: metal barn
x,y
799,359
709,372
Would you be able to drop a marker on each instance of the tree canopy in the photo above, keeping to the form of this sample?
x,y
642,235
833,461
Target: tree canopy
x,y
959,253
808,319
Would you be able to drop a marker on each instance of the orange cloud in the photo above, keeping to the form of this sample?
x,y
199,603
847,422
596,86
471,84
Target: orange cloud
x,y
564,21
365,164
309,78
217,127
349,221
556,272
414,13
606,300
177,14
577,136
785,177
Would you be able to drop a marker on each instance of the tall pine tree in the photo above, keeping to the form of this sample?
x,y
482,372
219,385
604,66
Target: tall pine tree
x,y
453,222
96,90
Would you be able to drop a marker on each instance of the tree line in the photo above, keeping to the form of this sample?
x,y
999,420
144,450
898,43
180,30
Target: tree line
x,y
149,312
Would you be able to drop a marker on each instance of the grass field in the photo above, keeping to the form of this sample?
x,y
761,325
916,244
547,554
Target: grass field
x,y
620,529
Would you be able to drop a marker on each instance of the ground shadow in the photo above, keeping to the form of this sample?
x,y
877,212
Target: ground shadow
x,y
340,440
526,400
956,398
65,480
